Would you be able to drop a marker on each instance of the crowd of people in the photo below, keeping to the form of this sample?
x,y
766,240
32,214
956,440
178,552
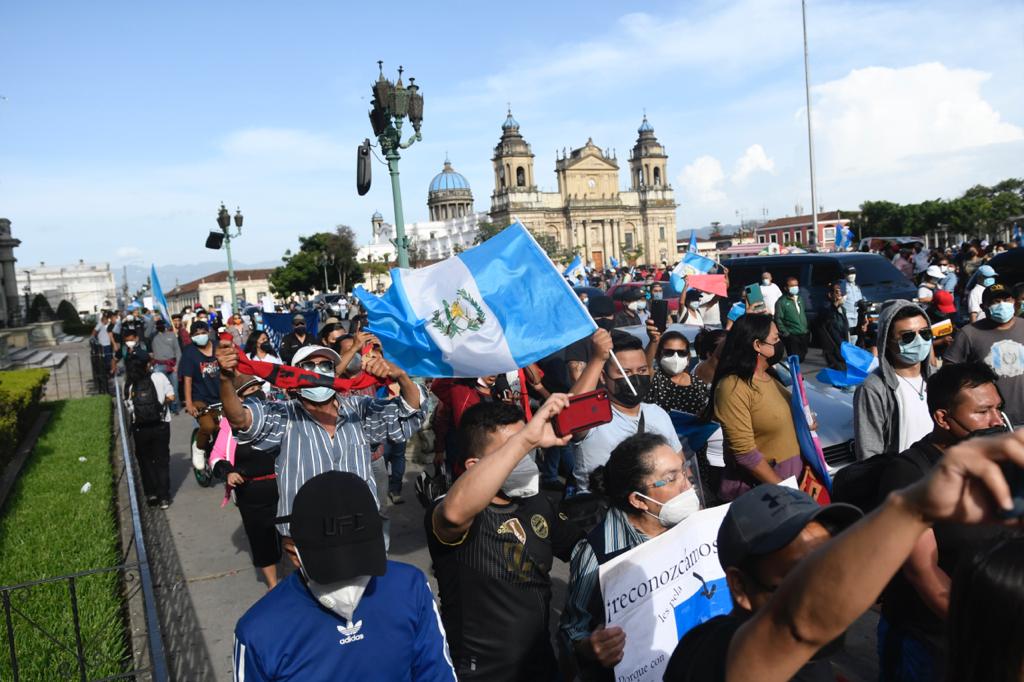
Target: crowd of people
x,y
313,470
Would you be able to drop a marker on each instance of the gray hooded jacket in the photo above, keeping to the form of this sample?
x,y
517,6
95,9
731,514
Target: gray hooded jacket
x,y
876,412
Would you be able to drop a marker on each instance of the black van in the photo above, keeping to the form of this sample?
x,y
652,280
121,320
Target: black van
x,y
879,280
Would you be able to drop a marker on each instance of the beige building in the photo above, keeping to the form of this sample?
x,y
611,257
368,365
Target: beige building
x,y
590,214
88,286
251,286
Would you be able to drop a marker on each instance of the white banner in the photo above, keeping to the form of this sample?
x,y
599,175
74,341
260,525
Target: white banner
x,y
661,589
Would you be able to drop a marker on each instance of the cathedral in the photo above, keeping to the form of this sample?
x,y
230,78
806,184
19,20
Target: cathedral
x,y
590,214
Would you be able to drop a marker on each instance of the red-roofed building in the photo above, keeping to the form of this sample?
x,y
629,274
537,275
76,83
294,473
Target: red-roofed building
x,y
800,230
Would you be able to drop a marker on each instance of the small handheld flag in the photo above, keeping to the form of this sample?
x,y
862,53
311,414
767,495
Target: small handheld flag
x,y
159,301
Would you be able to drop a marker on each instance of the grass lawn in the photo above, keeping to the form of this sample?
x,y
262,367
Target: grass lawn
x,y
50,528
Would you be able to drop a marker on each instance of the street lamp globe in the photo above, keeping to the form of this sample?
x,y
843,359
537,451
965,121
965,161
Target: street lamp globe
x,y
223,218
238,219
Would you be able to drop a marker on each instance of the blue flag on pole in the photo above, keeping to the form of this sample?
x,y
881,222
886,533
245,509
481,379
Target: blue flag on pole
x,y
614,262
575,268
493,308
692,248
810,448
159,301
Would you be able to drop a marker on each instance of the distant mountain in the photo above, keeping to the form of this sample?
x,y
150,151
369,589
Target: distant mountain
x,y
705,232
173,275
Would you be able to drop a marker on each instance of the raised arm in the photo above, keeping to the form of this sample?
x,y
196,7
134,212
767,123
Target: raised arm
x,y
826,592
600,349
236,413
474,490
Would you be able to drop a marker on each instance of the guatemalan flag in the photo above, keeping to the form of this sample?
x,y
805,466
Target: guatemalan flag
x,y
493,308
159,301
691,264
576,268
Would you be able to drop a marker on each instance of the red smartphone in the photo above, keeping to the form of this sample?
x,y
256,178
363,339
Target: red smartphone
x,y
585,411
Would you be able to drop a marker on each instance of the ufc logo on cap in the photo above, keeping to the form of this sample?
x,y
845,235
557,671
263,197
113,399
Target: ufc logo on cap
x,y
335,525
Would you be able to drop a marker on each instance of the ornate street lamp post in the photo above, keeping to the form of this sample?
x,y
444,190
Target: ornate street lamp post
x,y
325,260
392,102
224,222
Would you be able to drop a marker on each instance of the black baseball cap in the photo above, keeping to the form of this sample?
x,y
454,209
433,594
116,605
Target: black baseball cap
x,y
995,292
337,528
769,517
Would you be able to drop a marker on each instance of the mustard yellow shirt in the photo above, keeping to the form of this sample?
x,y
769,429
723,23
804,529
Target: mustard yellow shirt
x,y
755,415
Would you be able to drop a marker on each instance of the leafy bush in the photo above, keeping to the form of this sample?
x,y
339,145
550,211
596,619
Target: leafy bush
x,y
40,310
20,393
50,528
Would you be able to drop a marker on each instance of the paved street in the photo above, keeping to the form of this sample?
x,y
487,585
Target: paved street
x,y
205,580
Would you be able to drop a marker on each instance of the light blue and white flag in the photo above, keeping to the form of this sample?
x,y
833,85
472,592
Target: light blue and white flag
x,y
493,308
844,237
576,268
614,262
159,301
692,248
691,264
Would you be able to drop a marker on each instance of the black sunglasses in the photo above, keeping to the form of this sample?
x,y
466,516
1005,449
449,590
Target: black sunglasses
x,y
678,352
908,336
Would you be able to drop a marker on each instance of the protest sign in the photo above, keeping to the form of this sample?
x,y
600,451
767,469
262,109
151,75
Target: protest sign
x,y
661,589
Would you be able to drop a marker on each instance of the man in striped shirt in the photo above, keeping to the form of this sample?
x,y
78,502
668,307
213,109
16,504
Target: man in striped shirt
x,y
320,431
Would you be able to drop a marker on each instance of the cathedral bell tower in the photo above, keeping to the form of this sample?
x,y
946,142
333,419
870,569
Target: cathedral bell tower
x,y
648,161
513,160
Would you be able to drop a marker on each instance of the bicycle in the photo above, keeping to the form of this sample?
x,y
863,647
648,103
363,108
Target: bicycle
x,y
204,476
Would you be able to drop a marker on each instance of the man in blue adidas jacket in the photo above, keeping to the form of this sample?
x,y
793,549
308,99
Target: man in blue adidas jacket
x,y
348,613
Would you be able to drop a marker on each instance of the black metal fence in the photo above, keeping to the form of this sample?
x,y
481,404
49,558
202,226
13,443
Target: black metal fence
x,y
86,645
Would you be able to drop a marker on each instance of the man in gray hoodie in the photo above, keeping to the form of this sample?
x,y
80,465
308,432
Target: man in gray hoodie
x,y
890,409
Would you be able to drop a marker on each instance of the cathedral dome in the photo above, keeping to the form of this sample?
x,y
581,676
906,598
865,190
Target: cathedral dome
x,y
448,179
377,217
510,123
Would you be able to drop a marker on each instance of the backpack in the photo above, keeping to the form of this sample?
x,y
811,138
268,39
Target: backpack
x,y
147,408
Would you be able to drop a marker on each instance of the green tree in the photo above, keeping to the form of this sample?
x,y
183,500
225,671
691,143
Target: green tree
x,y
485,231
330,253
40,310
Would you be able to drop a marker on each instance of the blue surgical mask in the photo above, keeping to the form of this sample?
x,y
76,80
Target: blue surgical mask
x,y
1001,312
201,339
793,291
916,351
988,281
318,394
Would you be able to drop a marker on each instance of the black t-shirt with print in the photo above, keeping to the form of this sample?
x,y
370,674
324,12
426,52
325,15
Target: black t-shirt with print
x,y
205,373
495,589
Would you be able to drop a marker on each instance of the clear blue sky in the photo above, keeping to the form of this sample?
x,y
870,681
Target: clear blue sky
x,y
125,124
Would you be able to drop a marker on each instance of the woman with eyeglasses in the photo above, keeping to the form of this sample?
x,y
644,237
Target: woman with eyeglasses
x,y
648,491
673,387
259,347
890,409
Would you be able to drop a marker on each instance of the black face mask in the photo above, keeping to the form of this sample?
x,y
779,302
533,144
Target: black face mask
x,y
267,347
300,329
990,431
624,396
779,355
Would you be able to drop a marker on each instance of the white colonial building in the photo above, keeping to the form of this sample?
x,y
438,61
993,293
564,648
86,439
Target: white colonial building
x,y
88,286
452,226
251,286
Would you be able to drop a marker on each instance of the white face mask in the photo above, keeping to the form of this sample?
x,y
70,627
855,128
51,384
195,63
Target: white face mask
x,y
130,344
524,479
673,364
676,510
638,305
341,597
766,282
851,278
318,394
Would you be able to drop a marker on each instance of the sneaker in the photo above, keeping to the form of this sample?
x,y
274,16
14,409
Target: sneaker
x,y
164,504
198,457
396,498
152,500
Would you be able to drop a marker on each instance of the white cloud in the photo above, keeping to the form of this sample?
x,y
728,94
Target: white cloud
x,y
876,119
128,253
753,160
702,180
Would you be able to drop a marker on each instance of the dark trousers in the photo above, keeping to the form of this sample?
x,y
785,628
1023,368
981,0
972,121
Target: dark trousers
x,y
559,457
394,455
257,503
153,453
796,344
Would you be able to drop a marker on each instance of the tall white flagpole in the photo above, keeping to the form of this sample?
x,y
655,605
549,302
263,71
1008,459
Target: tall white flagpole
x,y
810,133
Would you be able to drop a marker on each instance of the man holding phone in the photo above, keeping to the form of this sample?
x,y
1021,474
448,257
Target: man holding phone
x,y
627,389
492,540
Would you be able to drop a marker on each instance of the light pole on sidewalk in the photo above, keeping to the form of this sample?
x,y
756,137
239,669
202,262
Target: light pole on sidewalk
x,y
224,222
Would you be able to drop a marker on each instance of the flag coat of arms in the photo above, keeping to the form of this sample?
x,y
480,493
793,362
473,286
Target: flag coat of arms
x,y
491,309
